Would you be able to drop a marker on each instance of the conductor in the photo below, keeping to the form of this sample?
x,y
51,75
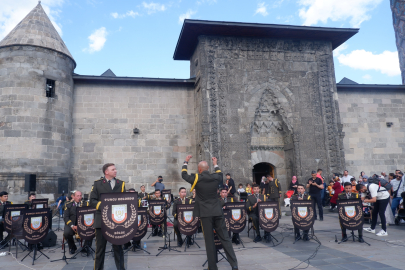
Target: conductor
x,y
208,208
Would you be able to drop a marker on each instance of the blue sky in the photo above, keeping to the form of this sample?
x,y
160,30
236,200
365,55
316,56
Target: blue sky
x,y
138,38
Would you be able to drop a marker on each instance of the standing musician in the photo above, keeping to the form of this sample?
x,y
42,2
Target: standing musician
x,y
3,202
30,198
181,200
253,211
347,195
106,184
70,219
208,209
224,199
155,229
273,190
143,195
301,196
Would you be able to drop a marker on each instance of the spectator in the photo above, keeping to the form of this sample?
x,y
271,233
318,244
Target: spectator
x,y
61,203
248,189
361,176
337,188
346,177
397,171
323,191
231,185
158,183
391,176
380,197
262,184
397,189
354,183
315,187
240,189
384,175
330,191
293,185
365,180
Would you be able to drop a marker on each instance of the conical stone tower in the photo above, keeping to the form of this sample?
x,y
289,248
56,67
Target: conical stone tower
x,y
36,90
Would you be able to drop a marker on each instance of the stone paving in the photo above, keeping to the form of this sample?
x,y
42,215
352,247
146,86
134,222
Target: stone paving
x,y
384,253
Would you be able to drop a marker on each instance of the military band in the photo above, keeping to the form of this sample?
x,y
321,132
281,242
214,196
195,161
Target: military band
x,y
252,209
159,230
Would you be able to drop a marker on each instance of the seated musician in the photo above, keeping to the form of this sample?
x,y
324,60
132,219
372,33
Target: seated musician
x,y
181,200
224,199
143,195
155,229
300,196
30,198
252,209
347,195
3,202
71,220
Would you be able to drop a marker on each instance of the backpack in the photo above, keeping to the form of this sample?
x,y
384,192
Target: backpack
x,y
380,182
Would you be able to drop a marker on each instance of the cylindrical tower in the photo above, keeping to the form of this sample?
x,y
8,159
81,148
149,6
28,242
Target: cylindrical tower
x,y
36,91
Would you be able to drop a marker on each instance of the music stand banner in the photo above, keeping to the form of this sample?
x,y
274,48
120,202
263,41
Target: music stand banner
x,y
85,221
167,194
35,225
268,215
236,217
351,214
156,211
17,226
119,212
142,224
188,223
11,210
39,203
302,213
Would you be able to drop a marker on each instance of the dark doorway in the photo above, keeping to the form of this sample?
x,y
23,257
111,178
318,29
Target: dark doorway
x,y
260,170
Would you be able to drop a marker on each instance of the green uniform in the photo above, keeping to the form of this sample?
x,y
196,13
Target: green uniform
x,y
253,213
29,203
343,196
2,223
174,212
208,208
102,186
70,219
296,197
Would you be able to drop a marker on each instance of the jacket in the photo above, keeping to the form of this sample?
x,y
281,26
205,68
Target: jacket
x,y
251,201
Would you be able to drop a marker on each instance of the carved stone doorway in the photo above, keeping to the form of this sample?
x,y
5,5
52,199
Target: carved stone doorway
x,y
260,170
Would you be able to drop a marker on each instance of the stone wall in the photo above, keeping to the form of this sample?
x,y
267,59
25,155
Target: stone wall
x,y
370,145
104,117
286,86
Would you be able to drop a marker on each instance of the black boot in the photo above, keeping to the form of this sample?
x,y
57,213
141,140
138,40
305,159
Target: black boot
x,y
361,240
344,238
305,237
160,234
179,242
189,240
257,239
154,231
127,245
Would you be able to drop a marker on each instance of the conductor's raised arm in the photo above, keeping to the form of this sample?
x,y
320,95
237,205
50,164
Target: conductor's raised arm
x,y
184,174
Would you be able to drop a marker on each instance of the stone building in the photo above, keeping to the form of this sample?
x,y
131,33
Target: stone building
x,y
262,98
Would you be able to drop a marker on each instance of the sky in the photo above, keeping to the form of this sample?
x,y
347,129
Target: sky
x,y
138,38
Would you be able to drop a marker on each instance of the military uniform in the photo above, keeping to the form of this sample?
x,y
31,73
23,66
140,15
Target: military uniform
x,y
175,221
343,196
273,191
103,186
208,208
70,219
142,195
253,213
155,228
304,197
29,203
2,223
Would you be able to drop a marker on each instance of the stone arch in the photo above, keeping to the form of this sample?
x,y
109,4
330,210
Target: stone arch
x,y
260,156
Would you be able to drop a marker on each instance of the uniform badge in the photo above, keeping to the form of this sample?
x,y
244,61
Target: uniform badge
x,y
303,212
89,219
157,209
188,216
268,213
236,214
119,213
36,223
350,211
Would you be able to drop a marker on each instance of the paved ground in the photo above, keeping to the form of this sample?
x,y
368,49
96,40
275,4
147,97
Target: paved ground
x,y
384,253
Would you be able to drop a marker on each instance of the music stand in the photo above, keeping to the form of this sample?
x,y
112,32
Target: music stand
x,y
269,238
218,252
134,247
165,236
64,258
187,245
354,239
16,231
89,250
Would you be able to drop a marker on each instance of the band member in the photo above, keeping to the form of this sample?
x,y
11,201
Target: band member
x,y
208,208
3,202
273,190
347,195
225,197
252,209
300,196
155,229
143,195
181,200
70,219
30,198
106,184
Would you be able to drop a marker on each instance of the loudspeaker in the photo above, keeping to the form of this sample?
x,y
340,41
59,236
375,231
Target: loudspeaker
x,y
30,182
63,185
49,240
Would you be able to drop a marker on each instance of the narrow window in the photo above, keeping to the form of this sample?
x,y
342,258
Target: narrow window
x,y
50,88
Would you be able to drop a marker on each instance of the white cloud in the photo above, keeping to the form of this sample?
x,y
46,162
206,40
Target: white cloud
x,y
261,9
338,50
127,14
200,2
367,77
387,62
97,40
186,15
357,11
12,12
153,7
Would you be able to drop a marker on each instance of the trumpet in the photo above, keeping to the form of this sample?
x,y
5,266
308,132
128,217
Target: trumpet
x,y
77,235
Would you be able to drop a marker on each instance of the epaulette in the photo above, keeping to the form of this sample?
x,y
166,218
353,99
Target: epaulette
x,y
27,200
66,203
101,178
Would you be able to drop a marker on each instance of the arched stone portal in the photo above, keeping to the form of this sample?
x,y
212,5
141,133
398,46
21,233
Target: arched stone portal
x,y
260,170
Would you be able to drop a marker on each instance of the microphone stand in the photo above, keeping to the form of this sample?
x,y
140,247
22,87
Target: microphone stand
x,y
165,236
